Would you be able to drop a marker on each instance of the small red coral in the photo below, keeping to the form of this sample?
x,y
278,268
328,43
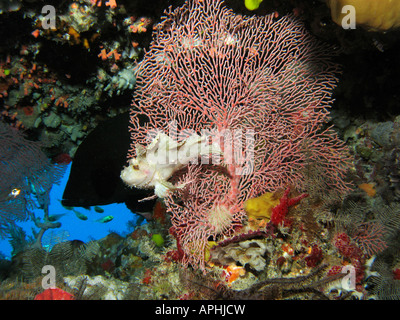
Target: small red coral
x,y
345,247
147,277
315,257
279,212
108,265
62,158
334,270
349,250
160,213
54,294
396,274
178,254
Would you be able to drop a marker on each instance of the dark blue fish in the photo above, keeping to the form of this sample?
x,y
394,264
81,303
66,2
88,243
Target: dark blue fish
x,y
80,215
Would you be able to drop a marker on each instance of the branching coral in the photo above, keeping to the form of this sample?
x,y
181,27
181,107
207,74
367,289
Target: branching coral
x,y
259,88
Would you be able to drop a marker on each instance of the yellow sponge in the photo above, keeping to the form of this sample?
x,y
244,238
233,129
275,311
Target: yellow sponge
x,y
261,207
376,15
252,4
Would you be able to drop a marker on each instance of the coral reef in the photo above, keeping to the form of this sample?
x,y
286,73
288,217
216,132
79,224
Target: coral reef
x,y
264,115
60,100
295,228
26,178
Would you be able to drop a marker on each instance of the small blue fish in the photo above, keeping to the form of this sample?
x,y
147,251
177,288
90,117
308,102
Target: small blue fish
x,y
105,219
98,209
80,215
55,217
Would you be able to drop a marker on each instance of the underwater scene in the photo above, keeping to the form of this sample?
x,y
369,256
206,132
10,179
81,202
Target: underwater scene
x,y
200,150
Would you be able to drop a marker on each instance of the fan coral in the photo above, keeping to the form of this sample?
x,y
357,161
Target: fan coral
x,y
256,90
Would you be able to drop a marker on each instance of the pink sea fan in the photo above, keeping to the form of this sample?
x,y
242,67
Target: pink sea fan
x,y
370,237
259,88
